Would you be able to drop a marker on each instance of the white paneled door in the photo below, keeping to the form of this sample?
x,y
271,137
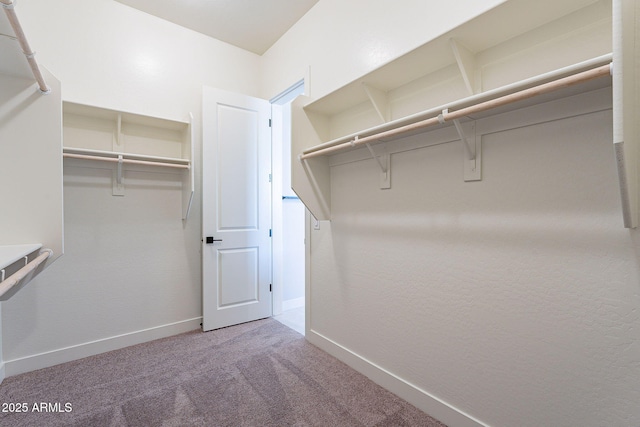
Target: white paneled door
x,y
236,209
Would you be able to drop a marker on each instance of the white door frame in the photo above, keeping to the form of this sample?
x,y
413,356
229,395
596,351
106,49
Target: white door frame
x,y
277,130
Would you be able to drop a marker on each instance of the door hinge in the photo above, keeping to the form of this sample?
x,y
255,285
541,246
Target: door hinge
x,y
270,232
270,177
270,287
269,122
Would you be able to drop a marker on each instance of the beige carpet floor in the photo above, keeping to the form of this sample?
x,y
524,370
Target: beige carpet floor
x,y
255,374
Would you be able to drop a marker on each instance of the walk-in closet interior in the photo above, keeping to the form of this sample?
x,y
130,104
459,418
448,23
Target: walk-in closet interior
x,y
465,177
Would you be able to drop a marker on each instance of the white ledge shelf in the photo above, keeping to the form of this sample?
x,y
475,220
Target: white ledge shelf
x,y
558,83
10,254
14,274
125,140
491,57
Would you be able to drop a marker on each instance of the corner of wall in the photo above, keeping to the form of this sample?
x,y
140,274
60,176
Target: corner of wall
x,y
421,399
67,354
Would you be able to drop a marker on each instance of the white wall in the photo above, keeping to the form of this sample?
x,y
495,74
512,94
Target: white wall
x,y
131,270
293,213
512,301
338,41
288,218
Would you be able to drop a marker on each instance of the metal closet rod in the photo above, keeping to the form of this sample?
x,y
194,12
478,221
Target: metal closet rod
x,y
16,277
123,160
9,6
445,116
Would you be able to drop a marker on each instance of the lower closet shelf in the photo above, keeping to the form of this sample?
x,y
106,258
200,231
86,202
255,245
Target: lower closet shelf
x,y
19,275
120,159
113,156
12,253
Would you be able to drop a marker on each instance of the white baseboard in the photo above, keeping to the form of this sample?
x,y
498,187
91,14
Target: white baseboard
x,y
402,388
292,303
67,354
2,372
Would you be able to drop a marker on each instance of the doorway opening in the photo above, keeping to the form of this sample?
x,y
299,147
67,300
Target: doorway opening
x,y
288,219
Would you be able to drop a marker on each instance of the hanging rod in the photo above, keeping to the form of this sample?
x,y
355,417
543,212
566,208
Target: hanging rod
x,y
445,115
9,10
16,277
123,160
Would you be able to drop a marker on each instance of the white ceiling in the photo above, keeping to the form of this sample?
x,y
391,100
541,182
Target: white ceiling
x,y
253,25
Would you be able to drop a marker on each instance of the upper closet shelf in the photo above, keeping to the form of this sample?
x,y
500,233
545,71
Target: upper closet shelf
x,y
472,106
126,140
517,54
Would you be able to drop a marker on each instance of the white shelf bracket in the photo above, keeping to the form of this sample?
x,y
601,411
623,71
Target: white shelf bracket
x,y
118,184
376,157
316,187
466,61
120,160
472,148
379,100
383,162
473,166
469,148
118,139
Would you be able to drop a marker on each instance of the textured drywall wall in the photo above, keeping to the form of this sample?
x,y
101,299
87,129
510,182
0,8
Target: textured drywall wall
x,y
131,263
514,299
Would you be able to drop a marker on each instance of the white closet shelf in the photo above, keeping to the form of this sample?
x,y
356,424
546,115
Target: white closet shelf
x,y
489,65
517,30
97,134
587,76
470,107
20,275
12,253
